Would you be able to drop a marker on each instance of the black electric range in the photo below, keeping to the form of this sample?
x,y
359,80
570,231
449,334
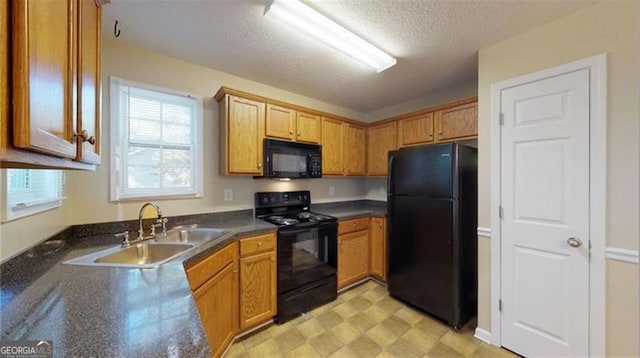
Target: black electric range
x,y
307,251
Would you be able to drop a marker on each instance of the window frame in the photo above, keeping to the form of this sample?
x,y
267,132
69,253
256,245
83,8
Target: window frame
x,y
11,214
118,162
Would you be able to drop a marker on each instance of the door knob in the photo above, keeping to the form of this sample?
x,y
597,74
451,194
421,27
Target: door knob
x,y
574,242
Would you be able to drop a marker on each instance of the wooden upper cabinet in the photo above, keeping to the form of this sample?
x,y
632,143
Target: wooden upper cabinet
x,y
44,76
458,122
288,124
354,150
89,92
415,130
332,147
55,118
308,128
382,139
243,131
280,122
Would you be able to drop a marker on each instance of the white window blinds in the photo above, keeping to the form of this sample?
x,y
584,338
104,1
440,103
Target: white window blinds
x,y
30,191
156,142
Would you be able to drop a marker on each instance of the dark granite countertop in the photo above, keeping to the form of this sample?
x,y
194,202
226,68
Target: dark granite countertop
x,y
121,312
107,311
352,209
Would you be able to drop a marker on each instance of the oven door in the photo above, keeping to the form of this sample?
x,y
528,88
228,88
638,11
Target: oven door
x,y
305,255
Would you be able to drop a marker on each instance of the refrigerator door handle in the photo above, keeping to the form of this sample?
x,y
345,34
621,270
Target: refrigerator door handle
x,y
390,175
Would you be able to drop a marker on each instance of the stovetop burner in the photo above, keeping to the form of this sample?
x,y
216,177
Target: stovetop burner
x,y
290,209
297,218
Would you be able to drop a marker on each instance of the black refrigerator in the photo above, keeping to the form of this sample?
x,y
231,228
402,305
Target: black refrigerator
x,y
432,243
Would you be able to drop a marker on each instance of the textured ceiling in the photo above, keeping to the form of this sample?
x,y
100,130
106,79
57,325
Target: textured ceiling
x,y
435,42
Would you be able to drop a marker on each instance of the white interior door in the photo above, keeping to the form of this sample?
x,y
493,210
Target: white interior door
x,y
545,220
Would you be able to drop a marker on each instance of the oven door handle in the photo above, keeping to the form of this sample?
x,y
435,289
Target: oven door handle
x,y
293,231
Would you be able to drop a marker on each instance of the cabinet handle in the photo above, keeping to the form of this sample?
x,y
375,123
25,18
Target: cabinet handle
x,y
84,135
235,271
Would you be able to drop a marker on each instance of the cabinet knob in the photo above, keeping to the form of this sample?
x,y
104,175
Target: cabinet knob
x,y
259,165
84,135
290,131
299,133
273,260
259,243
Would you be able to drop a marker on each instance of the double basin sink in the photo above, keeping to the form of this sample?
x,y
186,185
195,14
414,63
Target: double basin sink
x,y
153,252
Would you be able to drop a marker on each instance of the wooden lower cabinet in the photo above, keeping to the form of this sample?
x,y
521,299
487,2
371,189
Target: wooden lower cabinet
x,y
217,302
258,286
217,297
353,257
378,232
257,289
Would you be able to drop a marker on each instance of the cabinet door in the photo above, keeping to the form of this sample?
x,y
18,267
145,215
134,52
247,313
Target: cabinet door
x,y
4,78
353,257
308,127
44,76
354,150
458,122
217,302
415,130
382,139
378,248
332,147
89,88
245,123
280,122
257,289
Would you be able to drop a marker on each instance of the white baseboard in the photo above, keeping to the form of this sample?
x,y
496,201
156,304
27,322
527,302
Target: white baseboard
x,y
624,255
484,232
483,335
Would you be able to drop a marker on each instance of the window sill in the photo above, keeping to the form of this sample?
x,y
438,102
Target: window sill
x,y
156,197
15,214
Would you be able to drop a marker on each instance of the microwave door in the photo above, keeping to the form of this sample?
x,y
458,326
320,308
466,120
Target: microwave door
x,y
291,164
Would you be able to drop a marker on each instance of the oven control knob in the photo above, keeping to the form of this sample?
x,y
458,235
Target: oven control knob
x,y
265,200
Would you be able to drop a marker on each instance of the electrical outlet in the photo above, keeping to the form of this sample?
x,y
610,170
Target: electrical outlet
x,y
332,190
382,191
228,195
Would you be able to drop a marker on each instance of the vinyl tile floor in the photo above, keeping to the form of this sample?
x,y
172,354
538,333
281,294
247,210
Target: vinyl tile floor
x,y
364,322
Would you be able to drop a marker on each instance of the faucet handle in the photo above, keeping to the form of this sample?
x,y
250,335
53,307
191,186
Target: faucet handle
x,y
163,222
125,238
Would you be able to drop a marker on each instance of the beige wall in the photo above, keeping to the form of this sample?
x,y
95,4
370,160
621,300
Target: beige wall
x,y
607,27
433,99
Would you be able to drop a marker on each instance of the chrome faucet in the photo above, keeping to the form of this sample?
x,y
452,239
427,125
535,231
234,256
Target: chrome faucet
x,y
160,221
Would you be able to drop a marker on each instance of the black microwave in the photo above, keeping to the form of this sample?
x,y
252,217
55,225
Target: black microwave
x,y
292,160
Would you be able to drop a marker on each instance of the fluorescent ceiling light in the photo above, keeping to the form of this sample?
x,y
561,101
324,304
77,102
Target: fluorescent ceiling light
x,y
305,19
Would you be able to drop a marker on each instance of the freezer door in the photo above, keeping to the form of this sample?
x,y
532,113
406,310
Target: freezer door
x,y
421,253
422,171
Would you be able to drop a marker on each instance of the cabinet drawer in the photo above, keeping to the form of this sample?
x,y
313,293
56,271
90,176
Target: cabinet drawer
x,y
257,244
208,267
353,225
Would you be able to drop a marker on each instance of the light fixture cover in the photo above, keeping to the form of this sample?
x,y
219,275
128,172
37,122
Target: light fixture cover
x,y
305,19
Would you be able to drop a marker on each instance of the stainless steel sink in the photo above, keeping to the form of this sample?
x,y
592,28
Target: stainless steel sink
x,y
153,252
195,236
144,254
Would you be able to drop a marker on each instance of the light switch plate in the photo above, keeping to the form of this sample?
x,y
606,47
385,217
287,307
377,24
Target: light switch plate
x,y
228,195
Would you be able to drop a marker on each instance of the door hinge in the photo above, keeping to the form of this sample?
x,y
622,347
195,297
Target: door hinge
x,y
500,305
500,213
501,118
